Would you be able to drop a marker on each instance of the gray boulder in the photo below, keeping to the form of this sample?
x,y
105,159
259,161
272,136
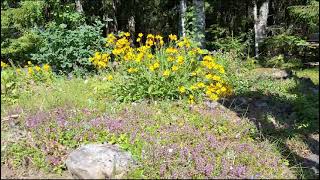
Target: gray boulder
x,y
99,161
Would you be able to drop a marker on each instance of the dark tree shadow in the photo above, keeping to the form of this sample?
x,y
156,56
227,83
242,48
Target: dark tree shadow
x,y
278,118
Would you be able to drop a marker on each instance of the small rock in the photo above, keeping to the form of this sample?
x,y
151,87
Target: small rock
x,y
280,74
211,105
99,161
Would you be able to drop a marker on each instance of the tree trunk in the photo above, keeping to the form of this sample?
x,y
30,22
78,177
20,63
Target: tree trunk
x,y
200,22
183,9
260,24
79,6
114,17
131,21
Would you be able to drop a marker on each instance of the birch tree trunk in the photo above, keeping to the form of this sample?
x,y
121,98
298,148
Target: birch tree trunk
x,y
200,23
114,17
131,20
183,9
79,6
260,24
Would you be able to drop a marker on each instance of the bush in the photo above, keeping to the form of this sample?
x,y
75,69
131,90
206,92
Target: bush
x,y
285,44
18,40
155,70
68,50
19,50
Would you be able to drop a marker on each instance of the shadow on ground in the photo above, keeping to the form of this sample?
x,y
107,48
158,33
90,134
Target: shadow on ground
x,y
279,119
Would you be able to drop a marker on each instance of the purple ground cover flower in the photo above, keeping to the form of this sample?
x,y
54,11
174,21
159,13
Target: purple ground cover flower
x,y
239,171
212,141
208,169
162,169
245,147
37,119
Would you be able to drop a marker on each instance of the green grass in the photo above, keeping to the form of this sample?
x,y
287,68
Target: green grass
x,y
312,73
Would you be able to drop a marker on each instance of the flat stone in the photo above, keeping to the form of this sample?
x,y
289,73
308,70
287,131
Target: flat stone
x,y
99,161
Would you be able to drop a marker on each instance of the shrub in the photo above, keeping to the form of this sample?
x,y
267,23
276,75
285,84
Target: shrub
x,y
155,70
19,50
285,44
68,50
18,40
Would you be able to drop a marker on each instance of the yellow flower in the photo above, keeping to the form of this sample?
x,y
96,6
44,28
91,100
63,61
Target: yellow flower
x,y
216,78
149,42
173,37
29,62
156,65
3,64
207,58
30,71
180,44
182,89
46,67
132,70
223,89
175,68
191,101
140,35
109,77
161,42
150,36
219,85
138,39
37,68
221,70
166,73
180,59
151,68
171,50
209,76
127,34
213,97
150,56
200,85
193,73
158,37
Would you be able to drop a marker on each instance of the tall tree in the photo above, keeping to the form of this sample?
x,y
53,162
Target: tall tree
x,y
200,22
260,23
183,9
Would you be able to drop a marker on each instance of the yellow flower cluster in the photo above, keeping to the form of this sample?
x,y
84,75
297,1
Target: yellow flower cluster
x,y
172,62
100,60
4,65
35,69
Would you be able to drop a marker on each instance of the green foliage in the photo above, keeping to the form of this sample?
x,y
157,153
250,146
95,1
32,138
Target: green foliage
x,y
64,12
221,39
68,50
285,44
17,81
19,50
17,38
21,153
306,15
28,15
